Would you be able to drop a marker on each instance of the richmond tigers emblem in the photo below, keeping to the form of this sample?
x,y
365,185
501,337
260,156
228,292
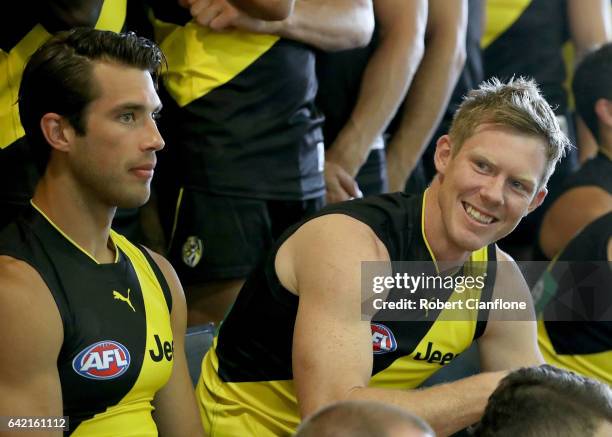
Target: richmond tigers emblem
x,y
192,251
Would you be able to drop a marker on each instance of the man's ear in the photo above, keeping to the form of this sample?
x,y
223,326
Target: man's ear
x,y
443,153
603,110
58,132
537,199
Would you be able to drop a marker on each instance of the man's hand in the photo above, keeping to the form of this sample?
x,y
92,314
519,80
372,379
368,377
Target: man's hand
x,y
339,184
216,14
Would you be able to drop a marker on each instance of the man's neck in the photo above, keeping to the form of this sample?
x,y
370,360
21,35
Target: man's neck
x,y
78,216
446,254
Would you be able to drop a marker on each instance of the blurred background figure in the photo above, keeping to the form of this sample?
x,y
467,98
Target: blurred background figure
x,y
573,297
587,194
547,402
526,38
246,154
363,419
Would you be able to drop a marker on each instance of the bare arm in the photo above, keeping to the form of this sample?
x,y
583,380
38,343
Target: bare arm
x,y
321,263
384,84
510,339
337,25
431,88
176,413
32,334
572,211
266,9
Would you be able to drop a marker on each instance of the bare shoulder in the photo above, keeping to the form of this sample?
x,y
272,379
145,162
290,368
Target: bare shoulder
x,y
170,274
511,287
330,245
30,320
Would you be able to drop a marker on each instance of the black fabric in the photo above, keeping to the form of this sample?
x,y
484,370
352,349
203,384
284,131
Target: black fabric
x,y
531,47
584,282
258,135
269,310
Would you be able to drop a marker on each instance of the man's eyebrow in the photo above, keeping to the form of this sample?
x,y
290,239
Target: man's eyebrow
x,y
135,107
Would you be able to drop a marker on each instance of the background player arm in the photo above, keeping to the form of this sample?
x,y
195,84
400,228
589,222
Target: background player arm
x,y
510,339
431,88
332,346
176,413
327,25
266,9
32,337
590,25
385,81
572,211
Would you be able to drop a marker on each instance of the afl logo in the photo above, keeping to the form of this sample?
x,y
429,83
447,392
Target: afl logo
x,y
103,360
192,251
383,340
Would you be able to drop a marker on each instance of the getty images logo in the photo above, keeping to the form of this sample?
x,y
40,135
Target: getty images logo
x,y
102,360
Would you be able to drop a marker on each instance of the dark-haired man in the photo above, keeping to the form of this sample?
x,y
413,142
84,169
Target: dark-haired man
x,y
95,324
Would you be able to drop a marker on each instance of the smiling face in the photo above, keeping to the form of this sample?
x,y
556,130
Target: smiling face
x,y
115,158
488,186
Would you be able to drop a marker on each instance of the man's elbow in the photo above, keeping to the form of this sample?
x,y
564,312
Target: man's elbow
x,y
358,31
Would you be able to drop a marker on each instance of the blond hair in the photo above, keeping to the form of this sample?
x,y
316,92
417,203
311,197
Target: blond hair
x,y
516,104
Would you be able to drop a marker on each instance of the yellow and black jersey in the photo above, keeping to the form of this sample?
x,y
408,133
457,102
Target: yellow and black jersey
x,y
18,173
247,386
525,38
239,110
117,350
574,331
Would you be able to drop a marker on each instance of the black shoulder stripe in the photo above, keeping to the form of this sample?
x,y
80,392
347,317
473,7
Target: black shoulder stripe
x,y
160,277
487,292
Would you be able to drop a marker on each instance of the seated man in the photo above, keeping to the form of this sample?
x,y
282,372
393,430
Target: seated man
x,y
363,419
587,194
574,295
296,341
95,325
547,402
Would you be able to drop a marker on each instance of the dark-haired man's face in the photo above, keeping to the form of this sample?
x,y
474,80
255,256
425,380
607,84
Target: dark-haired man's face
x,y
114,160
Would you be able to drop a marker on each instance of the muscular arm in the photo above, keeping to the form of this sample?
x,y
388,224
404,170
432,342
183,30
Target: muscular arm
x,y
265,9
321,263
572,211
175,412
431,88
32,334
510,339
590,26
384,84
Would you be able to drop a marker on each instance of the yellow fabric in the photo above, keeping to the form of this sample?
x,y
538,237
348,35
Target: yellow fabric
x,y
112,17
598,366
132,415
500,15
200,60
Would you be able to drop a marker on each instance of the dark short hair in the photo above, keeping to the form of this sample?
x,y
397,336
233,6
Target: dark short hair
x,y
361,419
58,77
545,401
593,81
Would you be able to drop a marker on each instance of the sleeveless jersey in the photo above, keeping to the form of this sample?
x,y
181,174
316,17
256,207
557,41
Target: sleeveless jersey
x,y
525,37
240,110
247,380
118,345
582,346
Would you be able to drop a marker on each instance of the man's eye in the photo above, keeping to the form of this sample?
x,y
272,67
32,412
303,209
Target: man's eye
x,y
517,185
128,117
481,165
156,115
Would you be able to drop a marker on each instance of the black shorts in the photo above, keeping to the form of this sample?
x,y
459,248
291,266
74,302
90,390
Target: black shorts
x,y
223,237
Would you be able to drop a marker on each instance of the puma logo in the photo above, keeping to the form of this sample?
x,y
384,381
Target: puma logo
x,y
125,299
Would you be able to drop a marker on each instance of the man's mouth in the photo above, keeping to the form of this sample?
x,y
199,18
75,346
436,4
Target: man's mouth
x,y
477,215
